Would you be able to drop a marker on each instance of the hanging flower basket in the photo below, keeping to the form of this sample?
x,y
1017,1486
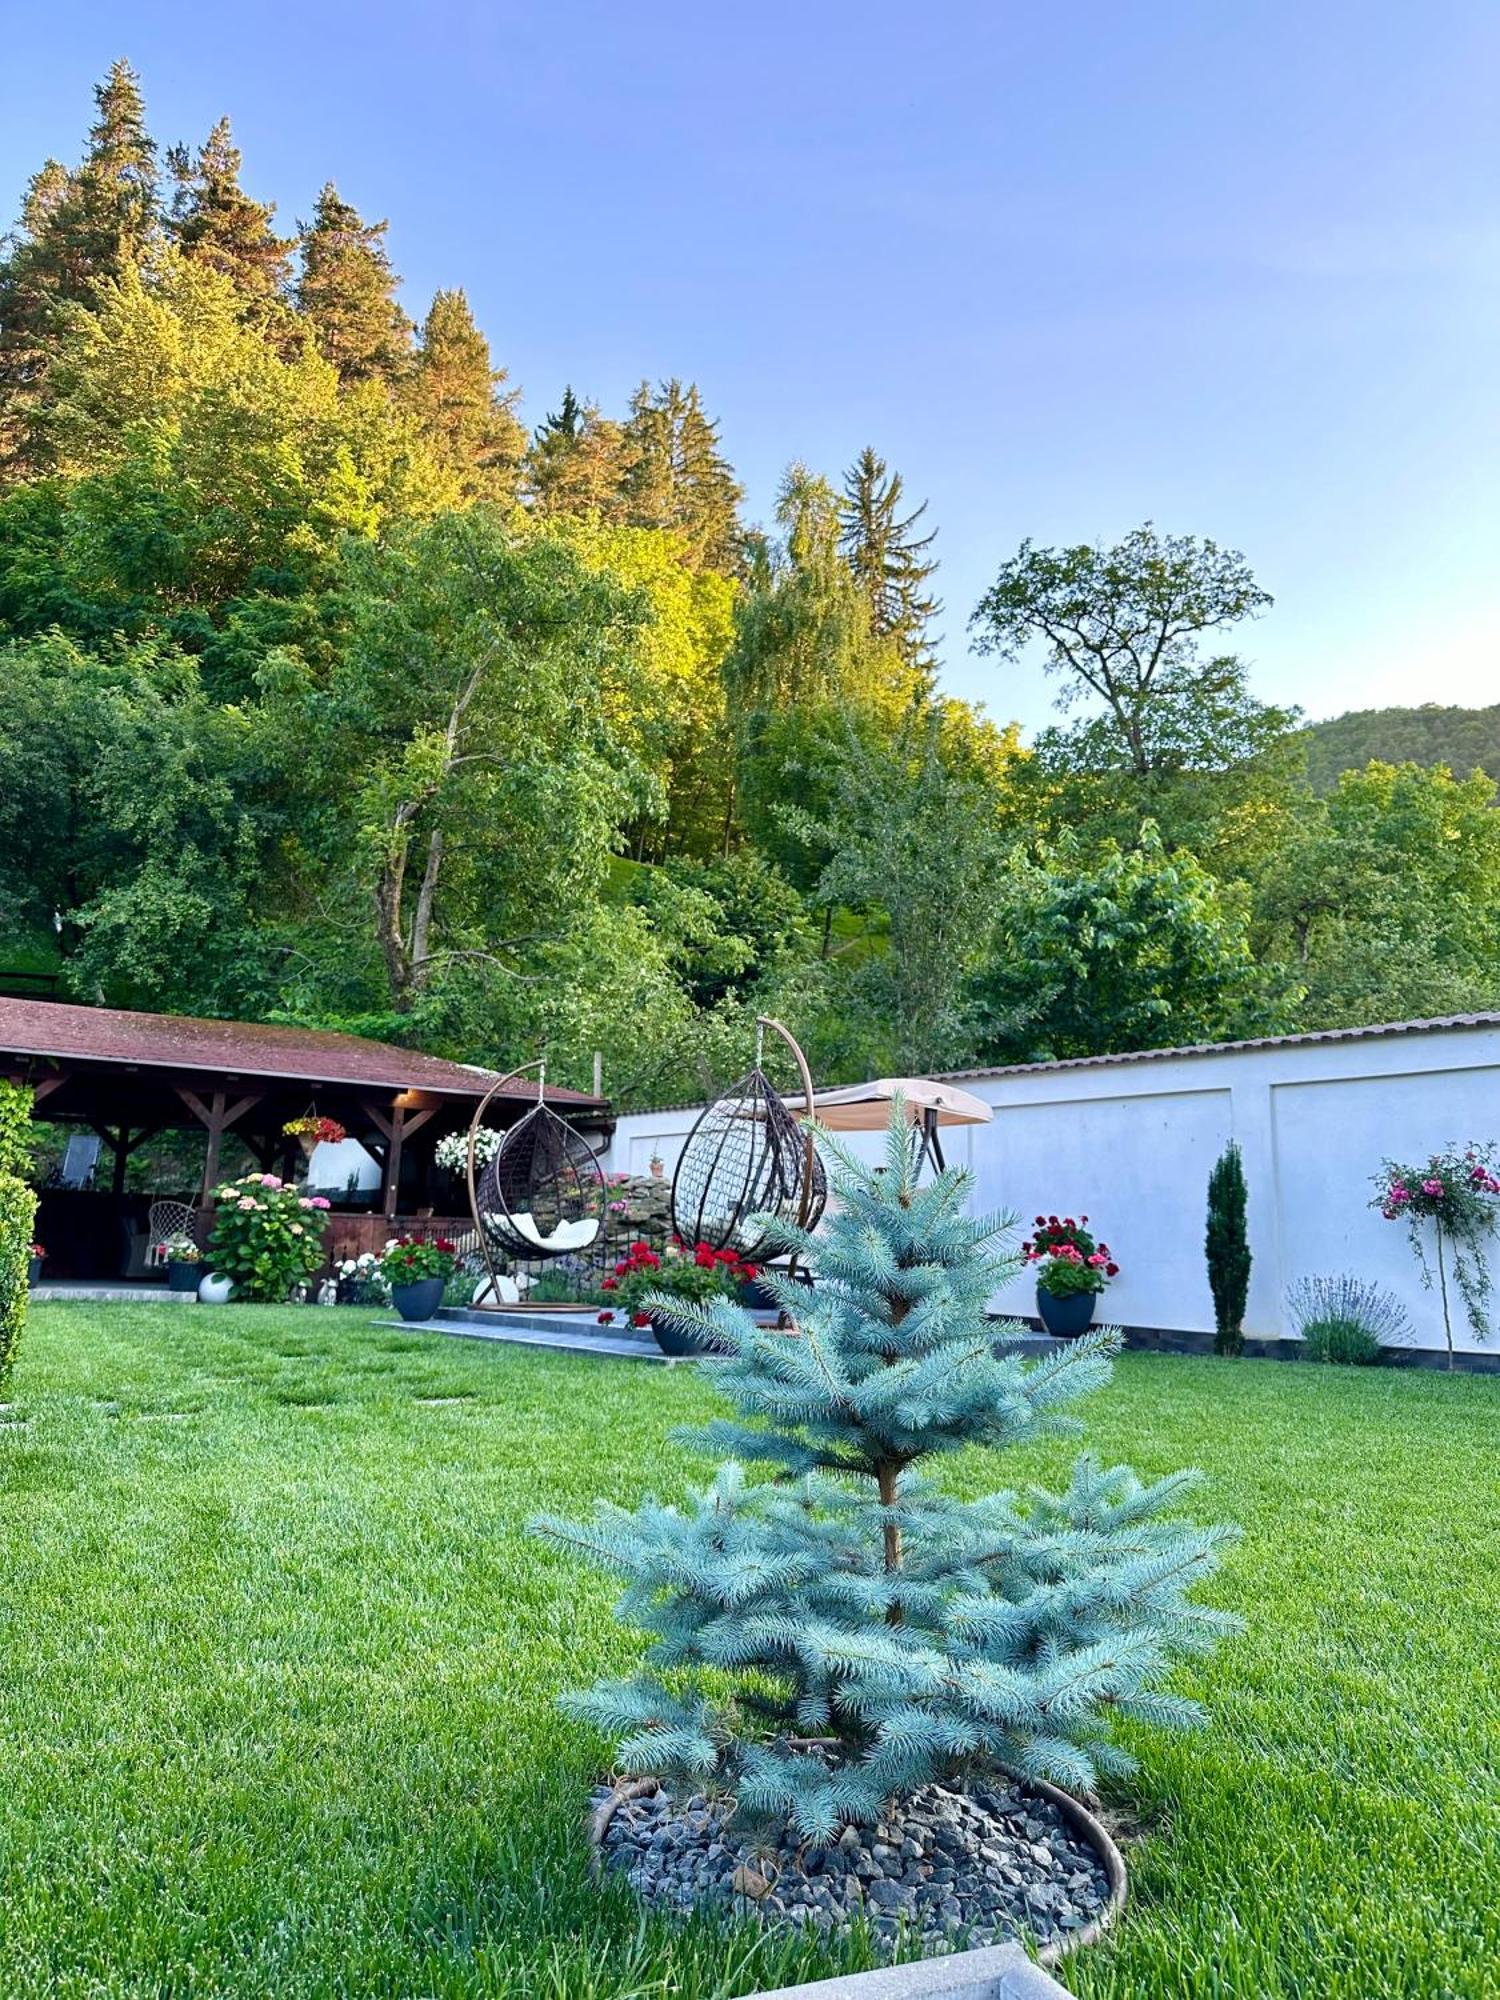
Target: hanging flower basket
x,y
310,1131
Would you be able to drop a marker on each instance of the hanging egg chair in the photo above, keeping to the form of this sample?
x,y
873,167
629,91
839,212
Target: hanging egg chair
x,y
748,1156
541,1193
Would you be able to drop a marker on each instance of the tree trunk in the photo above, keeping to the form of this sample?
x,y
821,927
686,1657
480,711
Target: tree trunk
x,y
886,1477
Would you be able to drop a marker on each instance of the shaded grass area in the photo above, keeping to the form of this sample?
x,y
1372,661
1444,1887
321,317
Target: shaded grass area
x,y
279,1667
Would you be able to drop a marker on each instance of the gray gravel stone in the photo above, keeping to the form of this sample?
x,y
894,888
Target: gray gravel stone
x,y
955,1868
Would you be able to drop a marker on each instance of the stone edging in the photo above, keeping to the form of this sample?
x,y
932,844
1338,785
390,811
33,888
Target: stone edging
x,y
1078,1817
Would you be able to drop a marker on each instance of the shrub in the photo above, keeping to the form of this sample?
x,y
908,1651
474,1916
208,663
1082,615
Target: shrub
x,y
846,1630
1347,1320
17,1219
15,1129
267,1236
1226,1245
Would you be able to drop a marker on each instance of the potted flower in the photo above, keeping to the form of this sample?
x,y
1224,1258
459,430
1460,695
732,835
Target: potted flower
x,y
417,1269
182,1257
311,1130
647,1285
34,1266
1072,1269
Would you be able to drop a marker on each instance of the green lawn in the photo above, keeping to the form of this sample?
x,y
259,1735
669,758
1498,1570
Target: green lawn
x,y
279,1665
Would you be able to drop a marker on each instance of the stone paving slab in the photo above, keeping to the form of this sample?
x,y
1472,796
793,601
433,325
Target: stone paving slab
x,y
999,1972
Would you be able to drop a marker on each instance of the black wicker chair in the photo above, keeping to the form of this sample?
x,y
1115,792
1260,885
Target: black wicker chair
x,y
542,1193
748,1156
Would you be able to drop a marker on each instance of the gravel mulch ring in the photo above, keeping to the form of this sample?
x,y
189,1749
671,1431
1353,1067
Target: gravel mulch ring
x,y
957,1869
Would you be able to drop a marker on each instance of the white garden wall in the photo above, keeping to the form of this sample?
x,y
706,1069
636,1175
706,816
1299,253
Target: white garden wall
x,y
1130,1142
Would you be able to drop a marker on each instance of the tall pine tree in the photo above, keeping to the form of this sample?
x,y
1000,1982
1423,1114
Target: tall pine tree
x,y
849,1598
78,230
347,291
575,464
889,561
456,394
216,223
676,476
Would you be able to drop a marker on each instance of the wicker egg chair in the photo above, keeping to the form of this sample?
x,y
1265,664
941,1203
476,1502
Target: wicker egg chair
x,y
746,1156
541,1193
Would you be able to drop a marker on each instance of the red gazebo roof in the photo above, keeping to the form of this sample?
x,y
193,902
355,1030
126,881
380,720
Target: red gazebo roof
x,y
52,1029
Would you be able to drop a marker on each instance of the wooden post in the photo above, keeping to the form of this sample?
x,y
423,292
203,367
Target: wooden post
x,y
397,1127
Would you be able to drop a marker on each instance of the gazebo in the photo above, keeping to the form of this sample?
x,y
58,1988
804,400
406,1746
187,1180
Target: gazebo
x,y
129,1076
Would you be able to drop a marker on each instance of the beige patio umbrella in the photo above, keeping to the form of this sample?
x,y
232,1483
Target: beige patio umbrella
x,y
866,1107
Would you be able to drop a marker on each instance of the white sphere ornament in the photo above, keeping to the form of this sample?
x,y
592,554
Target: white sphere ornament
x,y
215,1290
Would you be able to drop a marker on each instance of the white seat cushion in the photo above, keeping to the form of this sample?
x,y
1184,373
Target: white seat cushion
x,y
565,1236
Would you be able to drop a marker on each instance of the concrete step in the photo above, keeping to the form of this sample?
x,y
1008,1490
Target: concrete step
x,y
533,1330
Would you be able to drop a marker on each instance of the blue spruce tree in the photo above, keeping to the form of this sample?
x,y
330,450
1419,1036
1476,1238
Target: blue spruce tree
x,y
844,1630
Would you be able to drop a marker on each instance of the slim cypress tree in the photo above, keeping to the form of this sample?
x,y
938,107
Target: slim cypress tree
x,y
848,1597
1227,1248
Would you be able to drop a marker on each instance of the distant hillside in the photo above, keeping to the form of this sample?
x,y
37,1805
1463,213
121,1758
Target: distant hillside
x,y
1467,739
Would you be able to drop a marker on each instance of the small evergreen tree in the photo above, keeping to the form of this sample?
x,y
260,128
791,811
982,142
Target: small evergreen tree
x,y
79,229
675,476
1227,1248
850,1599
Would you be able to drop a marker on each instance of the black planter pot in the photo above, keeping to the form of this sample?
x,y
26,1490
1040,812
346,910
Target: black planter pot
x,y
755,1297
182,1277
419,1300
683,1343
1065,1319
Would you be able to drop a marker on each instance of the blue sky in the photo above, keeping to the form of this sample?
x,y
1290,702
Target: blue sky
x,y
1233,268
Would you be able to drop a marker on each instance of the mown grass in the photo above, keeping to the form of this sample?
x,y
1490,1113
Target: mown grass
x,y
279,1664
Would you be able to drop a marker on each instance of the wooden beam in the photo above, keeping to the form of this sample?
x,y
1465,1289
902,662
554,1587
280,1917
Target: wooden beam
x,y
218,1116
43,1090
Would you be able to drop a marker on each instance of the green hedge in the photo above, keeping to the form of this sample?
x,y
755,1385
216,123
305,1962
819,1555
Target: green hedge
x,y
15,1128
17,1220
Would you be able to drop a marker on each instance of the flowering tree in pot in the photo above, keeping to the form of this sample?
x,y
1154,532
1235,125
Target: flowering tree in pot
x,y
845,1630
1072,1269
1458,1192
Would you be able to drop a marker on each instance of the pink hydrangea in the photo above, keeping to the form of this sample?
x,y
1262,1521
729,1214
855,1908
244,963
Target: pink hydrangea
x,y
269,1181
320,1201
248,1201
303,1201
